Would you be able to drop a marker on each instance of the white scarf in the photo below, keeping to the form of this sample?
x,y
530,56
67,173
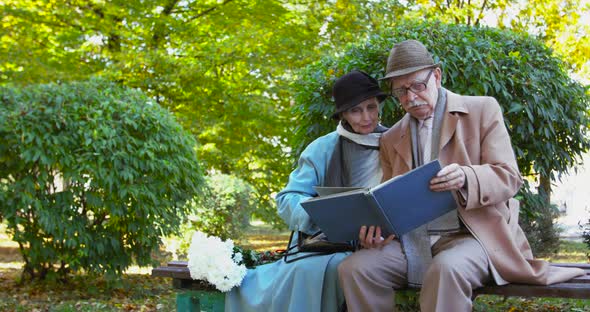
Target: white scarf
x,y
371,139
360,165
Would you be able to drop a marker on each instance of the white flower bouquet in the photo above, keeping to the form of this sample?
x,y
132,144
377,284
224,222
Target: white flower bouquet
x,y
215,261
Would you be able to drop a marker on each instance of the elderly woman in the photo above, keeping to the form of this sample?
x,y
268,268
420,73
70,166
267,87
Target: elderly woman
x,y
348,156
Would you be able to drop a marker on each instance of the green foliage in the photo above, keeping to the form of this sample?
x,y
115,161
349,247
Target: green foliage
x,y
92,175
224,209
229,87
586,236
562,25
406,300
252,258
559,24
538,98
538,221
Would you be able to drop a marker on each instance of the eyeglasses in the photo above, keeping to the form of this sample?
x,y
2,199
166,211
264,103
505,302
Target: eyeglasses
x,y
415,87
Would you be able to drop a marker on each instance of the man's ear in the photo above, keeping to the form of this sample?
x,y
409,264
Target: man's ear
x,y
438,75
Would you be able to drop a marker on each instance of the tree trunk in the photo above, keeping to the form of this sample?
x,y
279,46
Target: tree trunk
x,y
545,187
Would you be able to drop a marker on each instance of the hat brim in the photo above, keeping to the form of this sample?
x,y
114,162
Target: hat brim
x,y
380,95
409,70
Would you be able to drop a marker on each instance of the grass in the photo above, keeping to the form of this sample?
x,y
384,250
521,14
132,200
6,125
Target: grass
x,y
571,251
138,291
263,237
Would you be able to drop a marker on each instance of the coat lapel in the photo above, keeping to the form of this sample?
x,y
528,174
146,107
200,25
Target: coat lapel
x,y
403,144
454,105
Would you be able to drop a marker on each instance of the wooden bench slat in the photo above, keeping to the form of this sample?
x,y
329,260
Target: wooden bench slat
x,y
585,279
585,266
178,263
561,290
174,272
179,270
578,288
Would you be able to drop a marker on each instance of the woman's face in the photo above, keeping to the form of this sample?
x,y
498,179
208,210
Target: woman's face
x,y
364,117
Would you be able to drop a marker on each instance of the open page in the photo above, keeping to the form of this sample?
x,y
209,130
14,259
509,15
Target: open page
x,y
329,190
341,215
408,202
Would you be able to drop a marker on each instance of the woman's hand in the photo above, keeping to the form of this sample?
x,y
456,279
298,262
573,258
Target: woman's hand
x,y
449,178
372,238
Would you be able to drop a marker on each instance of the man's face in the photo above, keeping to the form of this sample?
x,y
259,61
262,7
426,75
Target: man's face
x,y
418,92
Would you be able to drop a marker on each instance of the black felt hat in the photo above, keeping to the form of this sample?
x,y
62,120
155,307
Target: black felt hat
x,y
353,88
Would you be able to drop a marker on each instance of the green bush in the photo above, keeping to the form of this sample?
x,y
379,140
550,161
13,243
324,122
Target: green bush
x,y
223,210
537,96
92,175
538,221
546,112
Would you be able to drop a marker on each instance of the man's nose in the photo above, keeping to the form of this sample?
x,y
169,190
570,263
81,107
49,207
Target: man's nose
x,y
410,94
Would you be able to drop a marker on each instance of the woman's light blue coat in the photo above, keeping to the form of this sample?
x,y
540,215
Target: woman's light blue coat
x,y
310,284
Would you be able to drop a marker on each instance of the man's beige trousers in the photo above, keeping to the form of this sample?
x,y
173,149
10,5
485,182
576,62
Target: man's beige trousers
x,y
369,276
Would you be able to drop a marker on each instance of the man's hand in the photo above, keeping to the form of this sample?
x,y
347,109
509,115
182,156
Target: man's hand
x,y
449,178
372,238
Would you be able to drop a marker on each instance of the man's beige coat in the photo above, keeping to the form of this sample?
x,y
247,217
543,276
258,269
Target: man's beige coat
x,y
474,136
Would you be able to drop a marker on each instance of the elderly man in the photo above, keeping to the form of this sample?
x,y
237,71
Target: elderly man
x,y
478,242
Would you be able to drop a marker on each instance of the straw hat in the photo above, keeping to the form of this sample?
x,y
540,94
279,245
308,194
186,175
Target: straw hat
x,y
408,57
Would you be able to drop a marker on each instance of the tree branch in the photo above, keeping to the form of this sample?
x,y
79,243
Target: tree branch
x,y
209,10
483,7
469,14
159,32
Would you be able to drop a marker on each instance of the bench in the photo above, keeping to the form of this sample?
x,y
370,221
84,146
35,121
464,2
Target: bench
x,y
577,288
